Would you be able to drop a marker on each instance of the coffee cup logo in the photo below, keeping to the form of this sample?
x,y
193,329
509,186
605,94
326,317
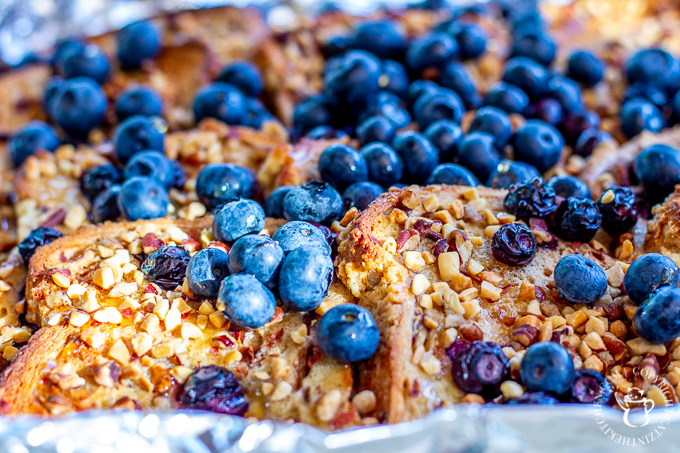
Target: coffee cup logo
x,y
635,399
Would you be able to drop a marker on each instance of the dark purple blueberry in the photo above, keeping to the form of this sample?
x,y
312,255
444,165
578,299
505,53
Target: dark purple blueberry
x,y
97,179
494,122
337,45
471,38
179,176
32,137
639,115
215,389
535,44
88,61
431,50
105,205
445,136
456,77
419,154
508,98
443,104
477,152
513,244
166,266
577,219
419,88
314,201
327,133
511,172
394,78
530,199
385,167
591,139
352,80
221,101
585,68
566,92
527,75
481,366
452,174
548,110
138,42
243,75
534,398
348,333
590,387
341,165
360,195
566,186
648,273
273,206
653,65
658,169
538,144
310,113
36,239
375,129
619,210
383,38
651,92
575,123
391,107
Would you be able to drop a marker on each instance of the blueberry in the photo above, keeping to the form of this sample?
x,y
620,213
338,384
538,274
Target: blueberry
x,y
153,165
580,280
139,100
507,97
34,136
658,321
327,133
648,273
310,113
577,219
314,201
178,173
63,50
548,110
675,107
534,44
431,50
591,139
477,152
445,136
360,195
456,77
390,106
105,205
342,165
97,179
619,210
236,219
652,65
415,149
471,39
566,92
513,244
385,167
375,129
51,94
143,198
442,104
510,172
78,106
138,42
566,186
547,367
244,76
273,206
382,38
337,45
538,143
36,239
658,169
348,333
213,389
419,88
256,114
306,276
138,133
87,61
352,79
257,255
220,101
222,183
297,234
394,78
530,199
590,387
206,270
651,92
494,122
247,303
638,115
166,266
585,68
452,174
479,366
527,75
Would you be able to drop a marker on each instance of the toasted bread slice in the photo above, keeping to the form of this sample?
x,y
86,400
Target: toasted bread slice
x,y
397,277
22,93
137,347
663,230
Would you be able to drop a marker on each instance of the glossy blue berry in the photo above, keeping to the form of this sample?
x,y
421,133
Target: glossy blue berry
x,y
222,183
421,156
375,129
221,101
452,174
315,201
360,195
648,273
566,186
273,205
477,152
442,104
327,133
152,164
206,270
653,66
236,219
455,76
143,198
494,122
337,45
658,321
105,205
384,165
527,75
97,179
445,136
88,61
534,44
138,133
538,144
243,75
256,114
547,367
383,39
575,123
63,50
639,115
419,88
352,79
580,280
507,97
548,110
257,255
34,136
310,113
138,100
341,165
658,169
586,68
431,50
652,92
471,39
348,333
394,78
566,92
591,139
306,276
297,234
510,172
138,42
589,386
391,107
247,303
52,89
78,106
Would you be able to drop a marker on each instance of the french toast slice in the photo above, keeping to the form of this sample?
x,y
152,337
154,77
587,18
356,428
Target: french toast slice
x,y
389,259
127,343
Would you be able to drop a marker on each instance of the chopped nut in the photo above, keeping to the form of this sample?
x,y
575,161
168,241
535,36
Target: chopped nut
x,y
65,379
93,337
123,289
282,390
657,395
90,305
75,291
390,245
103,277
328,405
162,350
202,321
107,374
180,373
596,325
576,319
61,280
640,346
431,203
119,352
593,363
75,217
218,319
472,308
78,318
172,319
299,335
414,261
473,398
490,292
420,284
141,343
267,388
206,308
365,401
615,276
161,309
460,282
108,315
426,302
55,319
594,341
511,389
430,364
9,353
474,267
490,217
449,265
430,323
468,294
189,330
151,324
